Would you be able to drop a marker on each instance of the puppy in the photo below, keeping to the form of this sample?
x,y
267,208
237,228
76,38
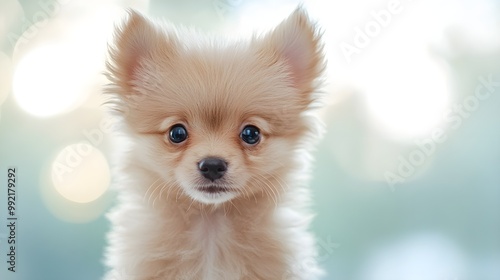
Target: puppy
x,y
212,179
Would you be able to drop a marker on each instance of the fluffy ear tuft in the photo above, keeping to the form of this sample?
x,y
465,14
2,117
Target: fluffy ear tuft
x,y
137,41
297,42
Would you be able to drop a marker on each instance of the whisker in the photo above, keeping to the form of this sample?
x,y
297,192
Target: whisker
x,y
152,193
159,196
224,209
165,186
177,195
235,207
189,207
271,188
279,181
169,191
267,190
149,188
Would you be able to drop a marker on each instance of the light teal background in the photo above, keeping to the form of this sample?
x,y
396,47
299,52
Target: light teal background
x,y
440,221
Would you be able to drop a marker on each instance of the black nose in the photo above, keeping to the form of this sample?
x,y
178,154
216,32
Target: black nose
x,y
212,168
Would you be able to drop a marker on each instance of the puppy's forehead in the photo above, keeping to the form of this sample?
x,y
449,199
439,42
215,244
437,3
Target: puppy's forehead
x,y
213,116
222,87
219,87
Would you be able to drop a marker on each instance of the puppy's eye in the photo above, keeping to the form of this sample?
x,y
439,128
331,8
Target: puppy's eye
x,y
250,134
178,133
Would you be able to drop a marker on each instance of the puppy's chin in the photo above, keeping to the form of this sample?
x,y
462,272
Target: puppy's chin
x,y
211,194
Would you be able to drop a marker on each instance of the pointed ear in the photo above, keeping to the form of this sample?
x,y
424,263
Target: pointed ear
x,y
138,42
296,42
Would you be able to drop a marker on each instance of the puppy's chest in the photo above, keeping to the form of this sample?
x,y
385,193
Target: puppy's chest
x,y
217,248
213,241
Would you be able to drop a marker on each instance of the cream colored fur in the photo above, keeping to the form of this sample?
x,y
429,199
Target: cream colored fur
x,y
163,227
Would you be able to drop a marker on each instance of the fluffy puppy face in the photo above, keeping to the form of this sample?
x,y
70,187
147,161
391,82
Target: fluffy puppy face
x,y
215,120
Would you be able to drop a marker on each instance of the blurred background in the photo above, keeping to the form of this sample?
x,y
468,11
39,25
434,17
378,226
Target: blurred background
x,y
406,181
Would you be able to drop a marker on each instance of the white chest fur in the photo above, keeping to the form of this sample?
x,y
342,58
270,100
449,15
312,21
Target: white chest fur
x,y
212,236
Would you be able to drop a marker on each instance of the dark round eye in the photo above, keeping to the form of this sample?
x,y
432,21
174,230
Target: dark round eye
x,y
250,134
178,133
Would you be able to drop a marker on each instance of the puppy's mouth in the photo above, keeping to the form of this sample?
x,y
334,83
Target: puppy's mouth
x,y
214,189
213,193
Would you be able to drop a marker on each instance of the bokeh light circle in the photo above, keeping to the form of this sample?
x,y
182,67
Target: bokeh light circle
x,y
407,105
50,80
80,173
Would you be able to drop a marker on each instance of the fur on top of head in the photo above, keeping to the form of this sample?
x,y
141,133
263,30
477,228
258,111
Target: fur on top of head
x,y
278,71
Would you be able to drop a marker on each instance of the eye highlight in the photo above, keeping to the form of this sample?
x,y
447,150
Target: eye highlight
x,y
250,134
178,134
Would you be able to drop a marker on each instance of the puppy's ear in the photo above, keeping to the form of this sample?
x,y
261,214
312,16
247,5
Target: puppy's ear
x,y
139,45
297,42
